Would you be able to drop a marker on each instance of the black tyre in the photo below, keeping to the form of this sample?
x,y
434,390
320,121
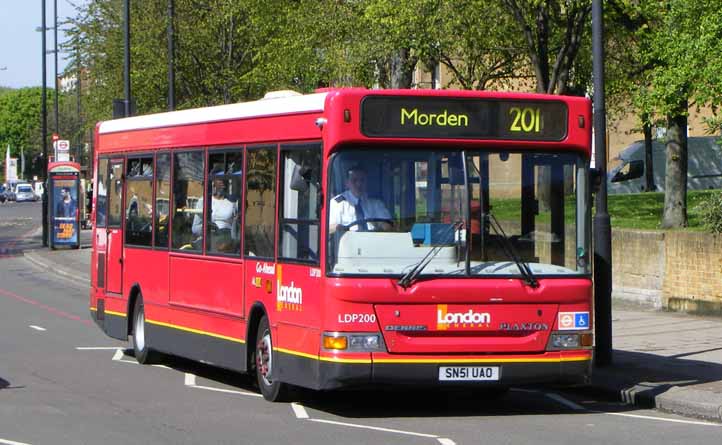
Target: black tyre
x,y
264,359
139,341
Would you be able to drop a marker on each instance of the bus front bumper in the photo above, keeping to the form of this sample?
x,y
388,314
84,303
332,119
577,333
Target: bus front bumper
x,y
568,367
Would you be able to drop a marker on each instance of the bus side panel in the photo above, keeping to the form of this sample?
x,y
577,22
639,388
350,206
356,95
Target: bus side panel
x,y
297,311
207,284
197,335
148,269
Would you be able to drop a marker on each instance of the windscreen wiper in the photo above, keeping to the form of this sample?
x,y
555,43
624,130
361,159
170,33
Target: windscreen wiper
x,y
509,250
408,278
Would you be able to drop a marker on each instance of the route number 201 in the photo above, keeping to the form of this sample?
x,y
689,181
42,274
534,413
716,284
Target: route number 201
x,y
525,119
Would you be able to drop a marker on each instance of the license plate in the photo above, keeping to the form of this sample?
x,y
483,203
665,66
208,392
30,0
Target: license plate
x,y
468,373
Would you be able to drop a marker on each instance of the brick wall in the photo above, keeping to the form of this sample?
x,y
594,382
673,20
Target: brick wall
x,y
693,276
680,271
638,265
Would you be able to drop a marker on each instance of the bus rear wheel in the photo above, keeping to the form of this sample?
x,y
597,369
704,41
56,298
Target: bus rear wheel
x,y
271,389
143,354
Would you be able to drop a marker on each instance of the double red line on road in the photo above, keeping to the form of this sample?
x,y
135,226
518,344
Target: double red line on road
x,y
52,310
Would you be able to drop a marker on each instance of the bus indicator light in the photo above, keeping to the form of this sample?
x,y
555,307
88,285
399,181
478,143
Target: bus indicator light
x,y
338,343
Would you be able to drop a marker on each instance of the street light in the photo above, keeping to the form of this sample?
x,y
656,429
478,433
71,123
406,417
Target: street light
x,y
602,222
44,119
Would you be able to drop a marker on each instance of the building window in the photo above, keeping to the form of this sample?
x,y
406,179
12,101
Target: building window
x,y
187,200
300,202
139,202
162,199
224,188
260,212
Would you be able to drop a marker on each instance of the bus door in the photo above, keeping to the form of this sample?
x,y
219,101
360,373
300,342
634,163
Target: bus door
x,y
114,231
101,222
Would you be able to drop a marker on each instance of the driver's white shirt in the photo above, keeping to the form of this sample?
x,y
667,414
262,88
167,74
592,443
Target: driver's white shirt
x,y
343,210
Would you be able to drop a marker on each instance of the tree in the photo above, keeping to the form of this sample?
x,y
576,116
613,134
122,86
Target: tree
x,y
684,70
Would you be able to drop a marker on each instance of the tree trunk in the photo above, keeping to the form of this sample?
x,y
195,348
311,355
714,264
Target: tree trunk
x,y
675,192
402,69
648,156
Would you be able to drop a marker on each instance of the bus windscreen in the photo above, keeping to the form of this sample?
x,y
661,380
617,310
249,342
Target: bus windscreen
x,y
451,118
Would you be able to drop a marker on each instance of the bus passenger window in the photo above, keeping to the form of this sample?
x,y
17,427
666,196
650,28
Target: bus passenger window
x,y
300,202
225,179
162,199
187,200
101,194
260,209
139,202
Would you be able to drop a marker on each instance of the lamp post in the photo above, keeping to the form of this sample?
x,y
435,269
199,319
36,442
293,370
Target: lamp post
x,y
44,119
126,58
55,51
171,56
602,223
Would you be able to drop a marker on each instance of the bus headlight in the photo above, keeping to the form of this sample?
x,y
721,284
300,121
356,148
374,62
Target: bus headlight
x,y
353,342
566,340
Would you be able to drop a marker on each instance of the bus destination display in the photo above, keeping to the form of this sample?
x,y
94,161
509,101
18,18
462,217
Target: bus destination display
x,y
434,117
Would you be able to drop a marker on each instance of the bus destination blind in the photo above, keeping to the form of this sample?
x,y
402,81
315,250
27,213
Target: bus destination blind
x,y
462,118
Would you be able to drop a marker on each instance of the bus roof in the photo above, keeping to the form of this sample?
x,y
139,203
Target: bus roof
x,y
272,106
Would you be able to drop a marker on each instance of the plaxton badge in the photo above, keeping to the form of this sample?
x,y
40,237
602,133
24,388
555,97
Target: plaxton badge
x,y
523,327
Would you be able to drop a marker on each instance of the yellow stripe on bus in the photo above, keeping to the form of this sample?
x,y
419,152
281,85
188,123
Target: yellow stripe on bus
x,y
195,331
483,360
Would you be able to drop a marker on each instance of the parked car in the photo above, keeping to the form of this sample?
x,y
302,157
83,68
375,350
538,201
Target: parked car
x,y
25,192
704,166
3,196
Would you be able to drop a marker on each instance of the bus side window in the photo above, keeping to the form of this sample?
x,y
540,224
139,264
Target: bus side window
x,y
223,195
139,202
260,212
101,197
187,233
162,199
300,202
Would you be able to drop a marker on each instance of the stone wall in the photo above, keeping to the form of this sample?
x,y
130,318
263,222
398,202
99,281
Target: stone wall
x,y
680,271
638,265
693,276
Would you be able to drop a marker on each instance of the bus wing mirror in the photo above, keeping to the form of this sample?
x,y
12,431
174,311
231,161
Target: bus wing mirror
x,y
300,178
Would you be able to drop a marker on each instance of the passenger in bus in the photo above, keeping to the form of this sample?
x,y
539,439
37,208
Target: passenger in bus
x,y
354,206
223,220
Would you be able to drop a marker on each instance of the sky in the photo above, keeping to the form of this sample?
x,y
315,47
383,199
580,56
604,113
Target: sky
x,y
20,44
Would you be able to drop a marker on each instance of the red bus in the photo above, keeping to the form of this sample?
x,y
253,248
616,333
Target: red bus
x,y
352,237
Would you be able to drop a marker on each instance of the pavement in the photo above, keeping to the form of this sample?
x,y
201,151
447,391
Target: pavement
x,y
668,361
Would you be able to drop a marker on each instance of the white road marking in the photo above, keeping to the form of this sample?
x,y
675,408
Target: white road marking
x,y
37,328
96,348
566,402
445,441
10,442
118,355
190,381
375,428
664,419
299,411
577,407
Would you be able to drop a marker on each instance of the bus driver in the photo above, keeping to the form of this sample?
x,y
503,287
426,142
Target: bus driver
x,y
354,205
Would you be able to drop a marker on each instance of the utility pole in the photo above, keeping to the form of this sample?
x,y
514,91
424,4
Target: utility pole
x,y
171,56
602,223
126,58
44,119
55,52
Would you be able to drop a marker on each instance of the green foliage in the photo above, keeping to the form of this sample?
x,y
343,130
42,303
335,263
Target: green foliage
x,y
711,212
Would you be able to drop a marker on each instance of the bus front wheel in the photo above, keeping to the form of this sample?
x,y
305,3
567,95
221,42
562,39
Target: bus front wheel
x,y
271,389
